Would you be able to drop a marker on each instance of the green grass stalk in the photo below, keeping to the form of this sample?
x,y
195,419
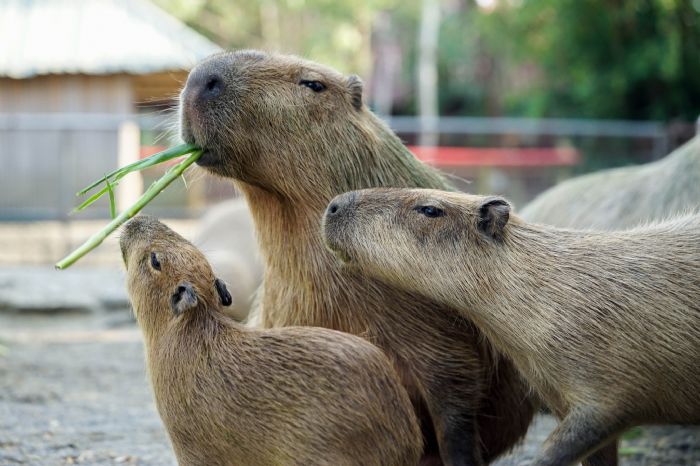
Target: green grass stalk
x,y
156,188
154,159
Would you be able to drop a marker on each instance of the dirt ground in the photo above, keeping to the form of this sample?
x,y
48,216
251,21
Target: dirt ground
x,y
73,389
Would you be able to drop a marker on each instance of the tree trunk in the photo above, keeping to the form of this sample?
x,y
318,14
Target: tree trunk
x,y
427,73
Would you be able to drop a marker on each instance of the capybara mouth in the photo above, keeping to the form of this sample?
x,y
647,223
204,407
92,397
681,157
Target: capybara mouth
x,y
338,252
208,159
344,257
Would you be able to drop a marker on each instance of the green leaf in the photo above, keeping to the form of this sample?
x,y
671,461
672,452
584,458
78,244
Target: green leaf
x,y
112,208
94,197
155,159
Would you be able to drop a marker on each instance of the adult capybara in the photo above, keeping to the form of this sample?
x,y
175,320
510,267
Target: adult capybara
x,y
604,325
293,134
235,396
624,197
226,236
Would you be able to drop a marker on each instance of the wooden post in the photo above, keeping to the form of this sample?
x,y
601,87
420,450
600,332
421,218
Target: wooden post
x,y
130,187
427,76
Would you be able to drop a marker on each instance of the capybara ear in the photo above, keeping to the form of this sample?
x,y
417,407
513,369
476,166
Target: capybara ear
x,y
224,295
355,86
183,299
493,216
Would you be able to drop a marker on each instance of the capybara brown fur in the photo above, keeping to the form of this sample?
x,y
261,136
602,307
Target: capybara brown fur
x,y
293,134
624,197
229,395
226,236
605,326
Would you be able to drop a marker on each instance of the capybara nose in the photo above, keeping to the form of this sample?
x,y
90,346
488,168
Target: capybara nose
x,y
341,204
203,84
212,86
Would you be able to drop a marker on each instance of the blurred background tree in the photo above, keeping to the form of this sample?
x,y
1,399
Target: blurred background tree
x,y
626,59
630,59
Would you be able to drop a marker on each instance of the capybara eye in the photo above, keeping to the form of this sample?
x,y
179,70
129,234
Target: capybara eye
x,y
430,211
155,263
315,86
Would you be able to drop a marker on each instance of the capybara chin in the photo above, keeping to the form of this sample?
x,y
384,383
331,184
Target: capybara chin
x,y
234,396
604,325
293,134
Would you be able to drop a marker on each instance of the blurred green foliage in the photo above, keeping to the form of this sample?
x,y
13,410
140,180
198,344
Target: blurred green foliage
x,y
636,59
336,32
631,59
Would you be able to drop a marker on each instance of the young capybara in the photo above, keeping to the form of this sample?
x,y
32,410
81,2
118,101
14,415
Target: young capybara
x,y
623,197
605,326
293,134
235,396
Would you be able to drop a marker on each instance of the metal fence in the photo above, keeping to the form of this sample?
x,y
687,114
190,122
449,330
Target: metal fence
x,y
46,158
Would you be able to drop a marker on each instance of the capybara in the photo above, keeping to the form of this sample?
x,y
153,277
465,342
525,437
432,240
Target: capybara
x,y
293,134
226,236
624,197
605,326
235,396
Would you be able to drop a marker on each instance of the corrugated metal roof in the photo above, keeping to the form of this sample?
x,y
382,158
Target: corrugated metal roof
x,y
94,37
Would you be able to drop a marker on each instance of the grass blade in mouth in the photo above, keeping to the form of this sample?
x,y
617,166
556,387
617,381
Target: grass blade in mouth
x,y
112,207
156,188
155,159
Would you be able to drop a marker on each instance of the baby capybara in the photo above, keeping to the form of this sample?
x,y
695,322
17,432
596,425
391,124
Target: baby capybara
x,y
232,396
605,326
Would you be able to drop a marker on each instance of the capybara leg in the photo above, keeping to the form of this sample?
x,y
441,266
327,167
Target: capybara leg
x,y
605,456
456,432
431,460
506,412
579,433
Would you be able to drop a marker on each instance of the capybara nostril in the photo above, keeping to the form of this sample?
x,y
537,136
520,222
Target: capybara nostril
x,y
213,85
340,204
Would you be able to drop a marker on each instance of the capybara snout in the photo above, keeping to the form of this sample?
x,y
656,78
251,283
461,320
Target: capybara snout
x,y
341,205
203,85
335,222
141,230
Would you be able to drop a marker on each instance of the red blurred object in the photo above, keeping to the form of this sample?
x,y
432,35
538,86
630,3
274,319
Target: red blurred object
x,y
147,151
496,156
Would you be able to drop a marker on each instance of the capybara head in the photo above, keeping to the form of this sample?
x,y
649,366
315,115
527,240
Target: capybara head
x,y
254,113
407,237
166,275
